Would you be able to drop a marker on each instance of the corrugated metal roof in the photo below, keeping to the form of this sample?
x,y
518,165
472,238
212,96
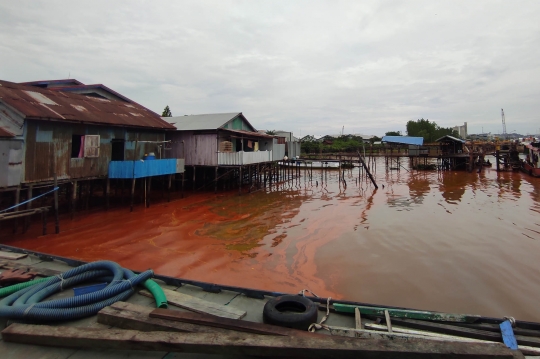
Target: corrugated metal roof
x,y
248,133
37,103
53,83
451,138
5,133
210,121
406,140
75,86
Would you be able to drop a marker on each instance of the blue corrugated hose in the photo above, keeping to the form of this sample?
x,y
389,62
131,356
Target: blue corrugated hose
x,y
26,304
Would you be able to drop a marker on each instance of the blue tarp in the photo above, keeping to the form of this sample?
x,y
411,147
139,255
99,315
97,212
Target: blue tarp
x,y
405,140
124,169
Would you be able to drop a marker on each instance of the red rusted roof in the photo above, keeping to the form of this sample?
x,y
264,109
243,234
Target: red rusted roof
x,y
43,104
5,133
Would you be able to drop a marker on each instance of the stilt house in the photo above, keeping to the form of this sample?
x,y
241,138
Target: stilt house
x,y
75,131
221,139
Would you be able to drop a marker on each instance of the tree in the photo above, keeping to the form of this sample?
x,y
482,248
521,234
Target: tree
x,y
271,132
430,131
393,133
166,112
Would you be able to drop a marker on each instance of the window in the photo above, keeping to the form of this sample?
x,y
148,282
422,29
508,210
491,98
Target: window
x,y
84,146
77,143
91,146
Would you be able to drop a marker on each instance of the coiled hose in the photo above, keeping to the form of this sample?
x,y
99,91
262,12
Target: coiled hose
x,y
23,301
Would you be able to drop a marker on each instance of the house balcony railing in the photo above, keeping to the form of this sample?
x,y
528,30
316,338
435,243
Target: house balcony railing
x,y
243,158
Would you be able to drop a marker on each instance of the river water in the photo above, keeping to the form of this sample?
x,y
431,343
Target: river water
x,y
447,241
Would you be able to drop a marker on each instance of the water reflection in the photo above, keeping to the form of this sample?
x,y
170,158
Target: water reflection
x,y
419,186
248,219
452,186
509,184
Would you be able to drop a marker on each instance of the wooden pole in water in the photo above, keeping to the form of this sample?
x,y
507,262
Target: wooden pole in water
x,y
497,160
17,201
169,189
240,180
183,173
215,179
194,169
44,219
28,206
107,192
149,188
132,193
56,219
73,198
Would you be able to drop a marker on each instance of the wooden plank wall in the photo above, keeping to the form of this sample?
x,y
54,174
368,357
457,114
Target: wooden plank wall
x,y
200,148
46,140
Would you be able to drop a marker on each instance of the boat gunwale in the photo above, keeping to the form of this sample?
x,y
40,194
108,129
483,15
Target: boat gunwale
x,y
255,293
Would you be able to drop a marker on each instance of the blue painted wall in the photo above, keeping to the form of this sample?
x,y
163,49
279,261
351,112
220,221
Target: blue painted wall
x,y
124,169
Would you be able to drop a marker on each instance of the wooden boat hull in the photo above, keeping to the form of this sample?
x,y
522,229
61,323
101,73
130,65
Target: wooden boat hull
x,y
532,171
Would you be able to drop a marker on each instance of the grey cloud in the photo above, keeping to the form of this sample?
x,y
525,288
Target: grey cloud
x,y
309,66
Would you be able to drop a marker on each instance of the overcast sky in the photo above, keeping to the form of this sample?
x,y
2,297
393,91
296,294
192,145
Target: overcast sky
x,y
311,67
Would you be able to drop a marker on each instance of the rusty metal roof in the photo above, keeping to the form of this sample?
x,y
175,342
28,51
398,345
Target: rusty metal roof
x,y
53,83
43,104
5,133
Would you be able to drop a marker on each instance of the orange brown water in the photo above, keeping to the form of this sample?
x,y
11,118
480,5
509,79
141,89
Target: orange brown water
x,y
453,241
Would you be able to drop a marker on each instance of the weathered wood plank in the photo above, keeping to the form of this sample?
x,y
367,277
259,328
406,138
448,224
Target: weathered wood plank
x,y
495,328
384,328
226,323
403,313
357,319
248,344
399,334
44,272
198,305
462,332
388,321
11,255
132,316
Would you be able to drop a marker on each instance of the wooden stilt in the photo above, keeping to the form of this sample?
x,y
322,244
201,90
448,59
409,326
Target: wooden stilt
x,y
169,189
183,173
56,219
148,192
132,193
74,190
215,179
107,192
240,181
194,170
28,206
17,201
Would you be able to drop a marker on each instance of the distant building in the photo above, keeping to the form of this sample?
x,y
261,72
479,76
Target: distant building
x,y
482,137
461,130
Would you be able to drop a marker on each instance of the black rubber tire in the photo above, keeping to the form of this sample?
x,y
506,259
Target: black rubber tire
x,y
291,311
